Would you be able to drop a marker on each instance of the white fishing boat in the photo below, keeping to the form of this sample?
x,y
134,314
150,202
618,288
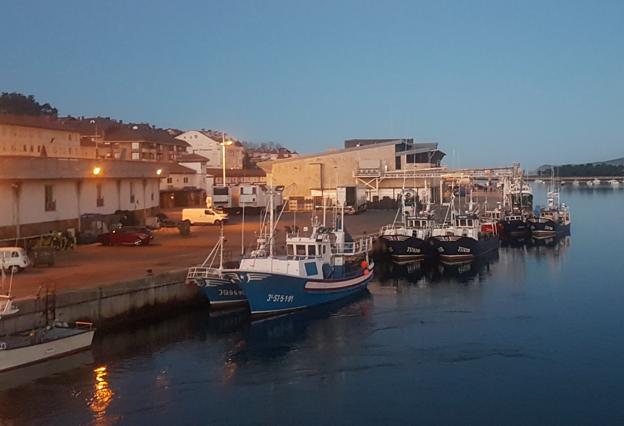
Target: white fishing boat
x,y
6,301
575,182
590,183
614,183
18,350
596,181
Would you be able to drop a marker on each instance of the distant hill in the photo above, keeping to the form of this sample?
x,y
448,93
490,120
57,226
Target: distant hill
x,y
600,168
545,168
616,162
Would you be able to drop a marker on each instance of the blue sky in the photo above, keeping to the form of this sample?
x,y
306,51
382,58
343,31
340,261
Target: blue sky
x,y
492,81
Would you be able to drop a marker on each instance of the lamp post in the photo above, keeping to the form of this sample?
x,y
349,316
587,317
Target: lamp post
x,y
95,138
224,143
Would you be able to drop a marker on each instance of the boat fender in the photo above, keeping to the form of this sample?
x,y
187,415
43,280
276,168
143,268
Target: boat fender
x,y
366,271
364,264
3,346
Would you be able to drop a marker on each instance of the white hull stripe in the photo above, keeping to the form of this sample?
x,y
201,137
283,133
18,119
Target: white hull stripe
x,y
335,285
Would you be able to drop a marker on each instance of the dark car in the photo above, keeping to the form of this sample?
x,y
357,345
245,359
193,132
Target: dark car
x,y
165,221
134,235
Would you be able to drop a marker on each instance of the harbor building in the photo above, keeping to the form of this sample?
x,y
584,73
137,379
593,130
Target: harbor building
x,y
207,143
382,166
50,177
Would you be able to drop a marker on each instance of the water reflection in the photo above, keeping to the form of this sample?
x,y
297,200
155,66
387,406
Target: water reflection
x,y
102,393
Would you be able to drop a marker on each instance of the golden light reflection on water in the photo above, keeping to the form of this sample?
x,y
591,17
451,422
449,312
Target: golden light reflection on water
x,y
102,393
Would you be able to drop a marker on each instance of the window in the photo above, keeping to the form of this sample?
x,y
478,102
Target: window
x,y
50,203
397,163
135,145
301,250
132,198
14,254
311,250
99,202
311,268
169,180
136,156
185,179
290,250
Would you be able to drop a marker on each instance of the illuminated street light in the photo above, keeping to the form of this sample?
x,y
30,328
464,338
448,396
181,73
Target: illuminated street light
x,y
224,143
97,170
159,172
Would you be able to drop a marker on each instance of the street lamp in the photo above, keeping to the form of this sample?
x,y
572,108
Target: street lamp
x,y
97,170
224,143
159,172
95,138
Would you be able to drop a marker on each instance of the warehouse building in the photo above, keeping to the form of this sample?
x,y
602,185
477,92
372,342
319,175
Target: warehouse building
x,y
382,166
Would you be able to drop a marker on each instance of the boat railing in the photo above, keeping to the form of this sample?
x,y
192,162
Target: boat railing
x,y
357,247
202,272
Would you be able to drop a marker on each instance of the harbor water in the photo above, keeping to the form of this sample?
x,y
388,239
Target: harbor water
x,y
534,335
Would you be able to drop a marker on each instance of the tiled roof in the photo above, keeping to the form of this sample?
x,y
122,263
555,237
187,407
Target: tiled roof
x,y
38,121
191,157
179,169
236,172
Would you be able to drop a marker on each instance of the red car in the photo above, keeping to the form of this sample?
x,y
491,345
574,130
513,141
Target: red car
x,y
126,235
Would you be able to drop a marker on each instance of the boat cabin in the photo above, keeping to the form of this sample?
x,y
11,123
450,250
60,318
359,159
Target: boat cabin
x,y
419,222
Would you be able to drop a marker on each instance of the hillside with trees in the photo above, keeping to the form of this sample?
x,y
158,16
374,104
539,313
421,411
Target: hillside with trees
x,y
19,104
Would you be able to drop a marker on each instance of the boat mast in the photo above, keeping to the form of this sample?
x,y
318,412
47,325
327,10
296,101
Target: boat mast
x,y
271,219
221,248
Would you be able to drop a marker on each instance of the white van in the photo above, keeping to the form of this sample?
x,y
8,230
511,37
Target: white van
x,y
204,216
13,259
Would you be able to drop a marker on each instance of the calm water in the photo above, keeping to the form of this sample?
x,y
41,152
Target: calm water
x,y
533,336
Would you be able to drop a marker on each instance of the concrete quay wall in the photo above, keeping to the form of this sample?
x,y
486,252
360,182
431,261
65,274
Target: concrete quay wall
x,y
105,306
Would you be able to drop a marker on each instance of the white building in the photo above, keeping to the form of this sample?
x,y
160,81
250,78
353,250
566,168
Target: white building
x,y
49,178
51,194
208,144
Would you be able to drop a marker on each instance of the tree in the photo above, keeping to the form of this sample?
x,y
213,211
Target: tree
x,y
19,104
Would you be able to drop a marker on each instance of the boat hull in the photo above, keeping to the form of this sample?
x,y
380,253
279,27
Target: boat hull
x,y
20,356
515,228
403,248
548,229
270,294
221,292
459,249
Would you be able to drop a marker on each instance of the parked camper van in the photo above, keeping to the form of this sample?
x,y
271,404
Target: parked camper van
x,y
13,259
205,216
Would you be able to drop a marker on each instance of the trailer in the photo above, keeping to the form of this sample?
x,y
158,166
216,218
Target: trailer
x,y
254,198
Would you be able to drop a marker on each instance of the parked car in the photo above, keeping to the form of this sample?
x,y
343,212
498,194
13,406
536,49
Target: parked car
x,y
165,221
13,259
134,235
204,216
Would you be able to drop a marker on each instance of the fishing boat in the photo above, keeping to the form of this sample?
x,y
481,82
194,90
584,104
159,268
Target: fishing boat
x,y
614,183
462,239
575,183
589,183
317,268
408,239
520,205
218,284
553,221
596,181
18,350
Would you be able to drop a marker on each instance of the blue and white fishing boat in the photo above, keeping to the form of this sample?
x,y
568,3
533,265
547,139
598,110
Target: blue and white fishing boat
x,y
217,284
318,268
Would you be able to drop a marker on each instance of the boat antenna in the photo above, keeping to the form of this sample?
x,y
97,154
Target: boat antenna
x,y
221,248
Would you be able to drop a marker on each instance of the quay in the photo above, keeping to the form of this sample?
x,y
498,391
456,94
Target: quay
x,y
113,285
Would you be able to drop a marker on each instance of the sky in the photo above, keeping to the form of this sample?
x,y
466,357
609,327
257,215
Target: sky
x,y
493,82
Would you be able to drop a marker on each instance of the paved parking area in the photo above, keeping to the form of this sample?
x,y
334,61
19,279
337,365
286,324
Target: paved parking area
x,y
95,265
